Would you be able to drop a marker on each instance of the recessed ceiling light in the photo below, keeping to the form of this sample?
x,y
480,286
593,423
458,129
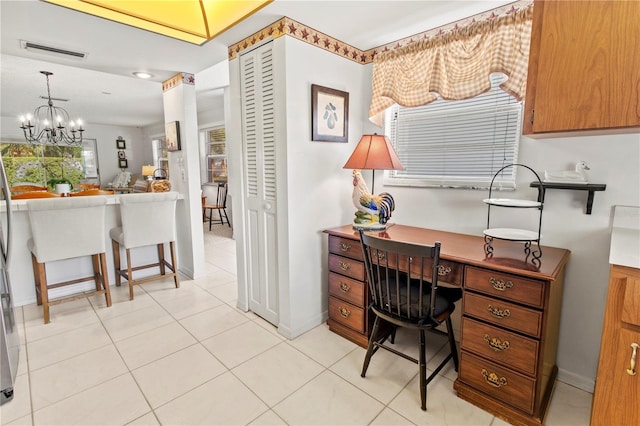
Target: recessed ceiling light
x,y
140,74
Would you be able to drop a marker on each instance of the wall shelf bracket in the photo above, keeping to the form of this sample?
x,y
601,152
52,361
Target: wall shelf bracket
x,y
590,187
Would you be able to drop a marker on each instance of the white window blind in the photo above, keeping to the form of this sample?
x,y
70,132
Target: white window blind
x,y
457,144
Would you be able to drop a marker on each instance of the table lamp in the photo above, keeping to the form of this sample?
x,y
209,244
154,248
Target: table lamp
x,y
373,152
147,172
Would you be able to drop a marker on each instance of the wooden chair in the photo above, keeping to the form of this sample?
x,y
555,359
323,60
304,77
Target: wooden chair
x,y
92,192
34,194
20,189
63,229
147,219
413,300
220,206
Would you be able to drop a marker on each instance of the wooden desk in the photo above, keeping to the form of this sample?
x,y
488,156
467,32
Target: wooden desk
x,y
510,314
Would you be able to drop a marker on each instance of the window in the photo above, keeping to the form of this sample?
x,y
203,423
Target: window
x,y
42,163
457,144
216,155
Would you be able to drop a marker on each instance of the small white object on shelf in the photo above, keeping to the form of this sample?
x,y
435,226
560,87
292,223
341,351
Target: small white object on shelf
x,y
568,176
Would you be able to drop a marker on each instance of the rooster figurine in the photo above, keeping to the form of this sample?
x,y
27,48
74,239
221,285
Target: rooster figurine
x,y
373,210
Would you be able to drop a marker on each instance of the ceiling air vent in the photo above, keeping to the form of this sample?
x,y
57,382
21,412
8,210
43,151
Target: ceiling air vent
x,y
41,48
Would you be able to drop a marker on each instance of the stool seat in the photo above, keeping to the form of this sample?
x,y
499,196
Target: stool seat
x,y
147,219
62,229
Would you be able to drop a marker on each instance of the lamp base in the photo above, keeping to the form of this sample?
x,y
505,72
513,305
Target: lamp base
x,y
373,227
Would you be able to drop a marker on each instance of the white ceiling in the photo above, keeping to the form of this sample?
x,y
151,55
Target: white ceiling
x,y
101,88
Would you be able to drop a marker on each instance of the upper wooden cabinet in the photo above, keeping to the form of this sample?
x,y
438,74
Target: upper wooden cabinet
x,y
584,68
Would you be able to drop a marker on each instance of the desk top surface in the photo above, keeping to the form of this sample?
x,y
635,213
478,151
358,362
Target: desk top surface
x,y
508,256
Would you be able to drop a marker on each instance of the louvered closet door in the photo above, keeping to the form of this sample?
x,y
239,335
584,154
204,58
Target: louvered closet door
x,y
259,145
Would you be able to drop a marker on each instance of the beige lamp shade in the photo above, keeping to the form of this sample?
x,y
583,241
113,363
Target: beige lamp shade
x,y
147,170
374,152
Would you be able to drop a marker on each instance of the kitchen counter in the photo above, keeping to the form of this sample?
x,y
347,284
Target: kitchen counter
x,y
625,237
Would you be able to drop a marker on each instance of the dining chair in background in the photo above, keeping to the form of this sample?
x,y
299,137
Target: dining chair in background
x,y
147,219
67,228
412,300
21,188
92,192
220,206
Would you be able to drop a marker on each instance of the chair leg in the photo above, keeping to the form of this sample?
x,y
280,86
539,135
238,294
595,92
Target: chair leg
x,y
423,372
160,246
129,272
116,260
371,346
176,280
36,279
210,218
226,217
452,343
105,278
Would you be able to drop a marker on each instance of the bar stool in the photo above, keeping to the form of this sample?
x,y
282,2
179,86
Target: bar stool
x,y
66,228
147,219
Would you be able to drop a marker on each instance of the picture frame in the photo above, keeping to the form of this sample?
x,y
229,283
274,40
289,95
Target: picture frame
x,y
121,143
329,114
123,164
122,155
172,135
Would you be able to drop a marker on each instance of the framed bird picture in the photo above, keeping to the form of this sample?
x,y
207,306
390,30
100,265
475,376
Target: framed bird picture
x,y
329,114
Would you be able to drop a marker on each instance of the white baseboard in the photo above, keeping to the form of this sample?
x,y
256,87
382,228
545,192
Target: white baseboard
x,y
587,384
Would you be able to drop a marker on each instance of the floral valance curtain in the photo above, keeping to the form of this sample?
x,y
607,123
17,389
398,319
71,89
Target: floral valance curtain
x,y
455,65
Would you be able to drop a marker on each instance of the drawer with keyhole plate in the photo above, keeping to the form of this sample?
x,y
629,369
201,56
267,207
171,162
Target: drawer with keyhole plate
x,y
345,266
345,247
346,314
347,289
506,286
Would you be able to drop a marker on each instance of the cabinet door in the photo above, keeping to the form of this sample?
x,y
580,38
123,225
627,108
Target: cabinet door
x,y
615,401
584,67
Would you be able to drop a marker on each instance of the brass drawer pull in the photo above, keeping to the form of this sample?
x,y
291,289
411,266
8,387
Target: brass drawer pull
x,y
344,287
493,379
500,285
496,344
381,255
344,265
632,368
499,313
345,247
443,270
344,312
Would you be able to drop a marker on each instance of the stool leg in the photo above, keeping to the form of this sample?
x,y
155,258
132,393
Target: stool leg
x,y
116,260
36,279
173,264
41,273
129,272
163,271
95,259
105,278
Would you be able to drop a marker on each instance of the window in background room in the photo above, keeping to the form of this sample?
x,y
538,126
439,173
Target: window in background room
x,y
160,155
216,142
457,144
44,164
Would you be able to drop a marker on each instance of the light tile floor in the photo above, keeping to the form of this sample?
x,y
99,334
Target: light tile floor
x,y
189,356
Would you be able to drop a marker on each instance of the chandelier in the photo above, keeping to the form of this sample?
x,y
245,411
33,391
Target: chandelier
x,y
47,125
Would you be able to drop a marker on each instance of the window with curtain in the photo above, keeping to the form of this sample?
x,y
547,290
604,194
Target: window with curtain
x,y
458,144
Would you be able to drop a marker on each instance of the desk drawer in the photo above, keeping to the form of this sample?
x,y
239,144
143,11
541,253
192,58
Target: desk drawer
x,y
345,247
346,289
347,314
501,383
345,266
503,314
510,349
505,286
